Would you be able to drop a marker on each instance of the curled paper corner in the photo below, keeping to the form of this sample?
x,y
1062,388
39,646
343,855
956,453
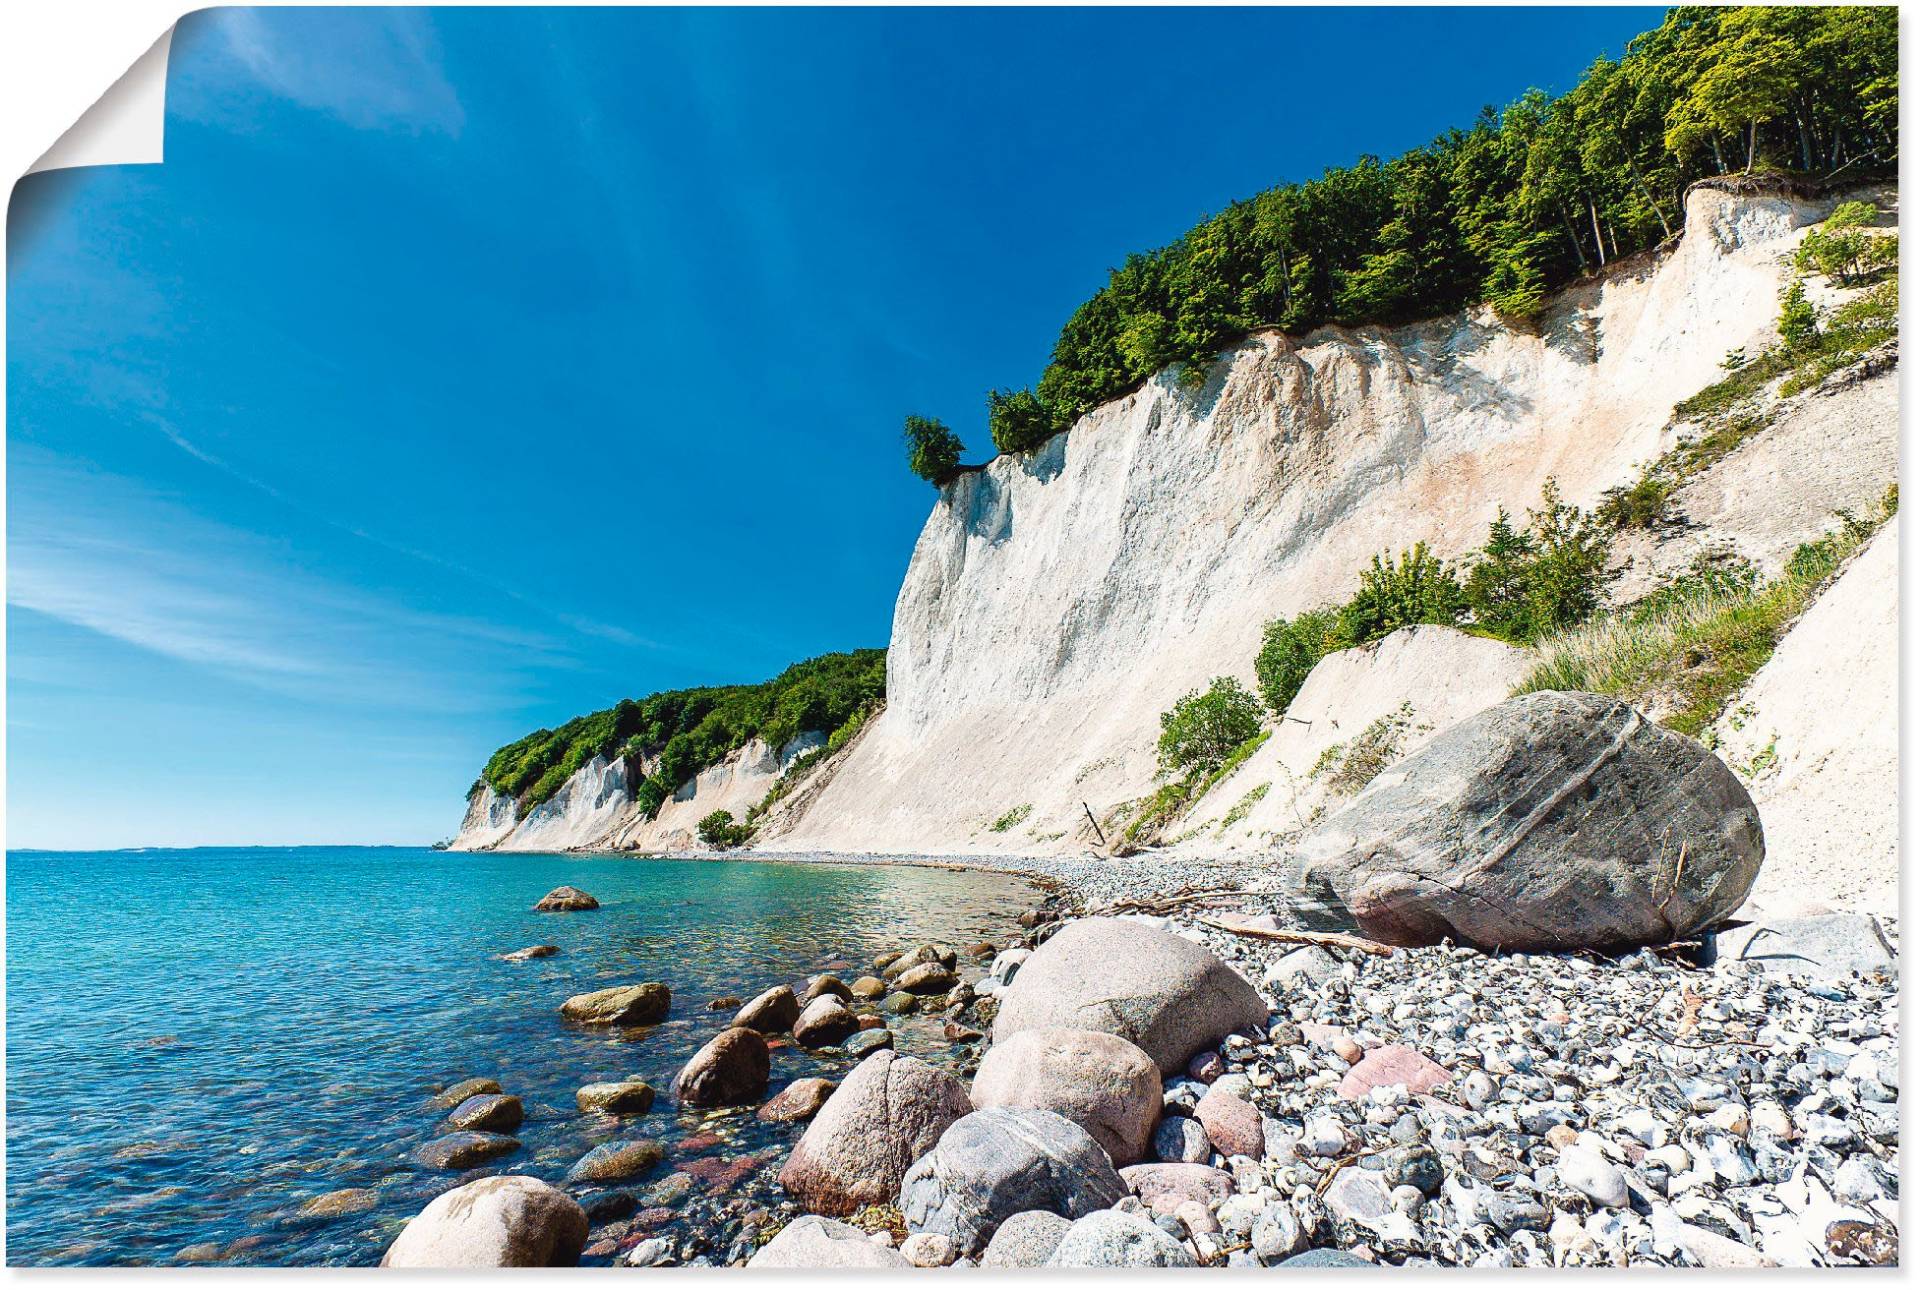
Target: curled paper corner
x,y
126,125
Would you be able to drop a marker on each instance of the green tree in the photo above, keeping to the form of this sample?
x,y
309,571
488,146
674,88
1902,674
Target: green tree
x,y
1799,320
933,451
1289,648
1496,584
1416,589
1568,570
1018,420
1201,730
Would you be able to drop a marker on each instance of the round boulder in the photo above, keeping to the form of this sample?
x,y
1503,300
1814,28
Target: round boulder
x,y
825,1022
464,1150
926,978
1119,976
1115,1239
622,1097
869,987
731,1070
814,1242
800,1100
616,1161
824,984
508,1221
1101,1082
1552,821
993,1164
454,1094
888,1112
566,900
645,1004
1025,1240
501,1112
771,1013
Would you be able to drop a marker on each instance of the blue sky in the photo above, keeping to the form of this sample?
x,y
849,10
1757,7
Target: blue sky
x,y
464,370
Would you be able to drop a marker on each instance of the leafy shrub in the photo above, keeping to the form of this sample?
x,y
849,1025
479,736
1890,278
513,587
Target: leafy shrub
x,y
1289,648
1799,320
1845,246
1012,818
1018,420
1417,589
1639,505
1206,726
933,451
719,831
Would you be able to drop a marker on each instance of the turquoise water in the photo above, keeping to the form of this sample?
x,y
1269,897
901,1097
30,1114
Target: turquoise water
x,y
200,1041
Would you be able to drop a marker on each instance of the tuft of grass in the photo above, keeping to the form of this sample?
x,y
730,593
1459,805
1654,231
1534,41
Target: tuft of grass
x,y
1244,805
1688,649
1372,751
1012,818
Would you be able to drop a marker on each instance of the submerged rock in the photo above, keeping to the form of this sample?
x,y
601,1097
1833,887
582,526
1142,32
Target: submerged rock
x,y
464,1150
348,1200
1119,976
566,900
992,1164
622,1097
868,1040
888,1112
645,1004
617,1161
505,1222
454,1094
531,952
501,1112
1101,1082
1552,821
731,1070
814,1242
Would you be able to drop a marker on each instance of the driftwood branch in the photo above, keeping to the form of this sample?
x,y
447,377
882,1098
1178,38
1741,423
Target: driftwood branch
x,y
1341,939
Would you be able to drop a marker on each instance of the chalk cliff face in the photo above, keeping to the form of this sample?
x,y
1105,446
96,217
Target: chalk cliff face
x,y
594,809
1057,603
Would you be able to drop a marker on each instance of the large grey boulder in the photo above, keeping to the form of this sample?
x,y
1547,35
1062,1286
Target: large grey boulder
x,y
507,1221
1025,1240
886,1114
1103,1083
1553,821
1159,991
814,1242
1115,1239
994,1164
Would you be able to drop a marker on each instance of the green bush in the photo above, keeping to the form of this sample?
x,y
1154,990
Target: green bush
x,y
1202,730
1799,320
719,831
933,451
1018,420
1289,648
1845,247
1523,585
1416,589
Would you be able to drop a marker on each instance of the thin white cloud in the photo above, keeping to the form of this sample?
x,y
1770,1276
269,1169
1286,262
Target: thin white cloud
x,y
370,68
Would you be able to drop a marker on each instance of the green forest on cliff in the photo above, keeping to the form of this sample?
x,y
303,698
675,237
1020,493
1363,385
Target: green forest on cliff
x,y
676,734
1524,201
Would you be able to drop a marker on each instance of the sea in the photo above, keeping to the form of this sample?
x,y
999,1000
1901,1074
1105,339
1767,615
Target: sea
x,y
201,1041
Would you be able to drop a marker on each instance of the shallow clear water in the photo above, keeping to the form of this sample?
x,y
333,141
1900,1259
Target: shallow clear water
x,y
199,1041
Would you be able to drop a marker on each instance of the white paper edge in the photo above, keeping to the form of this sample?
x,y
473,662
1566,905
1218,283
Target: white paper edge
x,y
126,125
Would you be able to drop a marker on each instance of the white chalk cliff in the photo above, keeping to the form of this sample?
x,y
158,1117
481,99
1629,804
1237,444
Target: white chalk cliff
x,y
1056,603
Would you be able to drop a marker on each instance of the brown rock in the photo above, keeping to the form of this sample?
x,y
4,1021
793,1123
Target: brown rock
x,y
1101,1082
1232,1124
617,1161
1393,1064
772,1012
500,1112
723,1003
887,1113
825,1022
454,1094
531,952
825,984
348,1200
622,1097
731,1070
926,978
464,1150
645,1004
800,1100
566,900
869,987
